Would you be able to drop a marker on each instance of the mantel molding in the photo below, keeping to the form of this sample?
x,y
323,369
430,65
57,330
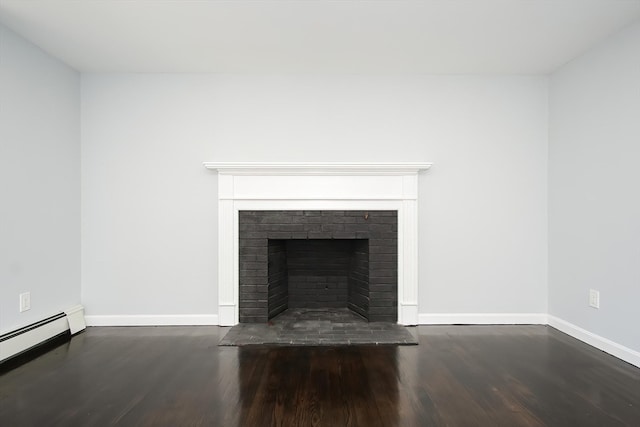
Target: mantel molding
x,y
315,168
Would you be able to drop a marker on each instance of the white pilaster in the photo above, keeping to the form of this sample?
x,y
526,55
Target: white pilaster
x,y
227,260
408,263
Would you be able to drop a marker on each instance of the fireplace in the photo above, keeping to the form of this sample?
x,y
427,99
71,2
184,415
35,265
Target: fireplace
x,y
309,190
318,259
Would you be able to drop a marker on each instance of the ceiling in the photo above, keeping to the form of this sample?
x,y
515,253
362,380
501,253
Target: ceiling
x,y
317,36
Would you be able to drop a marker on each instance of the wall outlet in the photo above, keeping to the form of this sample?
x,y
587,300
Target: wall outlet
x,y
594,298
25,301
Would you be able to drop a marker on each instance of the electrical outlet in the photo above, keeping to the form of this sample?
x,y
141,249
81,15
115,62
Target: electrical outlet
x,y
594,298
25,301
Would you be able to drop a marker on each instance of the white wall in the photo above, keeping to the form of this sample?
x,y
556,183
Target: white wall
x,y
39,182
594,189
149,207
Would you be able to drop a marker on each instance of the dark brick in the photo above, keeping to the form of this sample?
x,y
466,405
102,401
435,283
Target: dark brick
x,y
252,311
377,214
283,227
254,304
387,309
254,290
353,220
332,213
383,318
255,258
305,219
248,221
328,288
245,226
255,273
356,227
383,265
389,235
313,227
332,227
248,214
253,319
380,227
252,242
252,250
383,258
385,273
381,287
254,281
275,218
382,249
383,242
319,235
253,235
380,295
251,265
280,235
385,221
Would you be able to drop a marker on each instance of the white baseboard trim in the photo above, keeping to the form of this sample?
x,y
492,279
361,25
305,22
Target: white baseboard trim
x,y
482,319
608,346
153,320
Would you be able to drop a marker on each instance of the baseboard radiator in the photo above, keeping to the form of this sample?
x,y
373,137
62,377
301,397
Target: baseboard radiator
x,y
21,340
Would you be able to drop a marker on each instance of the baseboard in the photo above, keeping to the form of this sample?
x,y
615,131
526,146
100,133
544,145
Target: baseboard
x,y
22,340
153,320
30,336
608,346
482,319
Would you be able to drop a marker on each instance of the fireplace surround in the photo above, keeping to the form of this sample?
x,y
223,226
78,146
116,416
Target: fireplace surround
x,y
308,187
318,259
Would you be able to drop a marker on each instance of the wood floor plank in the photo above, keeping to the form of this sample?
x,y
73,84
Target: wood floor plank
x,y
458,376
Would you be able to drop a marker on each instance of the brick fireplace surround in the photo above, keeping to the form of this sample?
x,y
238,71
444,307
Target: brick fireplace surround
x,y
306,190
318,259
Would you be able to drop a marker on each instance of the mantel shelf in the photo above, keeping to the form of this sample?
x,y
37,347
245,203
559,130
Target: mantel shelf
x,y
314,168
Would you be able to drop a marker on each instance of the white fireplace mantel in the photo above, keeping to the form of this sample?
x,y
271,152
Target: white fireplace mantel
x,y
312,168
317,186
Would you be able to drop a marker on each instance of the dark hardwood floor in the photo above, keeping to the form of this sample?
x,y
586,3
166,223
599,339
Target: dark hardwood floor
x,y
457,376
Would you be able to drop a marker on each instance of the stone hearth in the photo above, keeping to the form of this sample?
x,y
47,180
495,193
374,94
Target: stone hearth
x,y
314,327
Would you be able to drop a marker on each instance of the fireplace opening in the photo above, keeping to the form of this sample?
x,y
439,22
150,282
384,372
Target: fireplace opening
x,y
318,260
317,273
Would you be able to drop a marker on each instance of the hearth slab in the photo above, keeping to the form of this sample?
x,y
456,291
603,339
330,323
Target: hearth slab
x,y
318,327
